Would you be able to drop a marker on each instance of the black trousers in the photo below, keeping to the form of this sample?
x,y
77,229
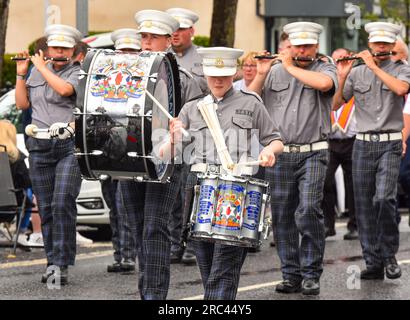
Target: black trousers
x,y
340,153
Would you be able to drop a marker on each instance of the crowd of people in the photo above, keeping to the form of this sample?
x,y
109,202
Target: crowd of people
x,y
313,113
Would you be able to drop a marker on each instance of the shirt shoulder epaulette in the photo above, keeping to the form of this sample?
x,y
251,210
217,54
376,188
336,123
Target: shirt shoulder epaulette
x,y
251,93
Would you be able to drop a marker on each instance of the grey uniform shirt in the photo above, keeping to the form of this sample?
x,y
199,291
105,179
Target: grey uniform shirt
x,y
189,88
378,109
301,113
48,106
241,115
191,60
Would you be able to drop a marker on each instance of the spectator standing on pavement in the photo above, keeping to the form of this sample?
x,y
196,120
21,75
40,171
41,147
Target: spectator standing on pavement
x,y
248,66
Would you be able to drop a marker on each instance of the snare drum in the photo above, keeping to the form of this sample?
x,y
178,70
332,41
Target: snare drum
x,y
229,210
118,127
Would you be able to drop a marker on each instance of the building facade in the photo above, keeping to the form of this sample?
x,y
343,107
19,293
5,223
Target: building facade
x,y
259,23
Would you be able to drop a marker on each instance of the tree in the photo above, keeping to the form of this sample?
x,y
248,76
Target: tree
x,y
4,13
397,10
223,23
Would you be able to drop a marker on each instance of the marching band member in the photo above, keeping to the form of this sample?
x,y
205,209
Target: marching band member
x,y
298,96
126,40
149,203
185,51
379,87
220,264
189,59
123,238
51,92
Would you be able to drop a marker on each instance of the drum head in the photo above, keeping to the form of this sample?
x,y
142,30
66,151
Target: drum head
x,y
120,128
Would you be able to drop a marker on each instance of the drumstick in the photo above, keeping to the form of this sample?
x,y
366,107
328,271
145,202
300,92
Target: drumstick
x,y
216,132
32,130
252,163
160,106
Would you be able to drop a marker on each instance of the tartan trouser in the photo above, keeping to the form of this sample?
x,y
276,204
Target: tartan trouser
x,y
175,218
220,265
147,205
56,179
296,183
375,173
123,239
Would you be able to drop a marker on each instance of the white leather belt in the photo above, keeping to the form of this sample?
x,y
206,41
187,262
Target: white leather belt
x,y
379,137
296,148
217,169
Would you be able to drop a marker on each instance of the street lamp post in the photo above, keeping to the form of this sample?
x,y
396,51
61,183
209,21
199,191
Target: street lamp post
x,y
82,16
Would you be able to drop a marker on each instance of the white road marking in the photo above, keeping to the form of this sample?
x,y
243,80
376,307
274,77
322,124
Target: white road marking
x,y
83,256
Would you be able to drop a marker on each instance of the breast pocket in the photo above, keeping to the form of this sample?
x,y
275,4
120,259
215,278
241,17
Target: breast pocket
x,y
361,91
239,137
278,93
37,88
202,138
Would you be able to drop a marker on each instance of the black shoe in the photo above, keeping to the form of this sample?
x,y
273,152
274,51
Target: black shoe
x,y
272,243
351,235
393,270
254,249
310,287
188,258
176,255
372,274
115,267
329,232
127,265
287,286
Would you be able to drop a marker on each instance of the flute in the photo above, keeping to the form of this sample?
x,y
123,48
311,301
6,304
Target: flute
x,y
275,56
45,58
377,54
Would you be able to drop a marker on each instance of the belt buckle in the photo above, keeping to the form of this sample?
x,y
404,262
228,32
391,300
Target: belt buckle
x,y
294,148
374,137
214,169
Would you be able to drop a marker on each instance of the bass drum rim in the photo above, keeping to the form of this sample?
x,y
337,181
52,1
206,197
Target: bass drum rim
x,y
174,108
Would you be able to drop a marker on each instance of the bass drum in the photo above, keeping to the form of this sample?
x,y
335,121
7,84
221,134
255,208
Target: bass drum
x,y
119,129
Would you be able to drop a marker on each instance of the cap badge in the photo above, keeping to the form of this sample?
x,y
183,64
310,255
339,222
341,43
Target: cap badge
x,y
303,35
219,63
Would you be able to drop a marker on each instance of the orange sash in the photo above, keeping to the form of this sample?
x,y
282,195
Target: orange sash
x,y
342,122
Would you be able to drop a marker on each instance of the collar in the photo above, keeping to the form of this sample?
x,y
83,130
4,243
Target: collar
x,y
228,94
183,53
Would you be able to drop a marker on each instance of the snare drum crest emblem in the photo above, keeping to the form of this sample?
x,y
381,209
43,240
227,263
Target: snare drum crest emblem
x,y
228,213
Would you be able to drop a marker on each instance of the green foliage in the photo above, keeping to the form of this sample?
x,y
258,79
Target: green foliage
x,y
202,41
396,11
9,70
